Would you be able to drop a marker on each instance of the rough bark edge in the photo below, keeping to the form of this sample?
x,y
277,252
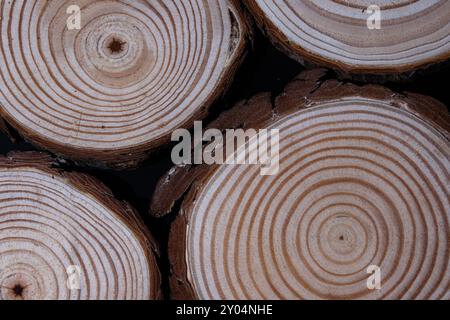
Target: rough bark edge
x,y
246,114
303,92
95,189
345,71
134,156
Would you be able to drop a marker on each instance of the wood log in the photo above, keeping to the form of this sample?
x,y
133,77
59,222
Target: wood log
x,y
412,35
64,236
364,180
113,91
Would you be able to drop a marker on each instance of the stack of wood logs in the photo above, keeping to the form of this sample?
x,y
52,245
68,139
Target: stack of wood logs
x,y
364,172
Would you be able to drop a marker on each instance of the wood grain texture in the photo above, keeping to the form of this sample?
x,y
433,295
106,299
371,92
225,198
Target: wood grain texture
x,y
334,33
51,220
364,180
114,90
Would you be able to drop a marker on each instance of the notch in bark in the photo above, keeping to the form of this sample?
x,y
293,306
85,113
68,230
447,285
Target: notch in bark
x,y
64,236
114,90
364,180
343,35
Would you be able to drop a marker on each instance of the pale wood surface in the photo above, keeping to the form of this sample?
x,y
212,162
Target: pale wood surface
x,y
364,180
115,89
51,220
412,35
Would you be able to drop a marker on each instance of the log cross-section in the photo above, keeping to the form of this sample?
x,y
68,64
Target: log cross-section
x,y
384,37
363,187
64,236
115,89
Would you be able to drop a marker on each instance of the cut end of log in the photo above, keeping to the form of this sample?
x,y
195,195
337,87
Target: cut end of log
x,y
63,236
113,90
359,37
363,185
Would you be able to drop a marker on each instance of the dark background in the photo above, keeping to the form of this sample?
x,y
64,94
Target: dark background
x,y
264,69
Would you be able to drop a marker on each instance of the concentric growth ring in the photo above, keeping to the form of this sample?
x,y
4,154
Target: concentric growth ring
x,y
359,36
65,237
118,87
362,182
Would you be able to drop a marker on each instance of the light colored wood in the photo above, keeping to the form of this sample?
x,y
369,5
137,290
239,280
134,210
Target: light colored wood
x,y
115,89
412,35
52,222
364,180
